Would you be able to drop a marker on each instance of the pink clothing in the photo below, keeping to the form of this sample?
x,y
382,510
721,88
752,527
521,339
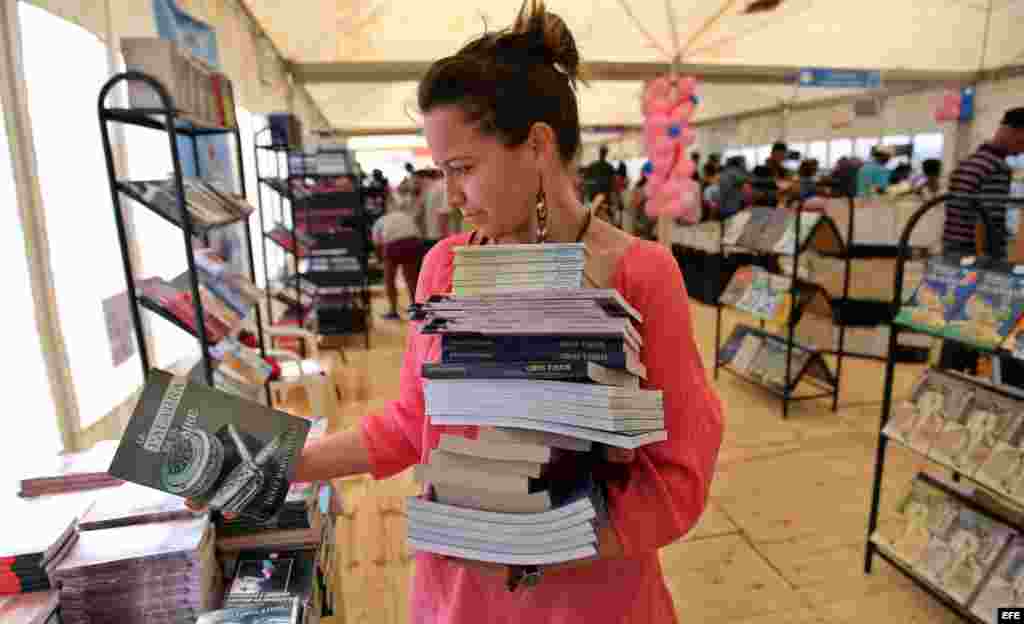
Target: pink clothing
x,y
656,500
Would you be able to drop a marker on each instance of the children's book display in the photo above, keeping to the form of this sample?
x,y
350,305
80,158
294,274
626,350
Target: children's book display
x,y
540,378
761,357
967,299
774,231
961,544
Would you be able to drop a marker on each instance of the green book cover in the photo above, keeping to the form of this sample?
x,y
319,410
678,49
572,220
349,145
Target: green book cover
x,y
947,280
194,441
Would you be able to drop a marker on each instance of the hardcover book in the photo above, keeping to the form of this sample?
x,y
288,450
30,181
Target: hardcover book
x,y
197,442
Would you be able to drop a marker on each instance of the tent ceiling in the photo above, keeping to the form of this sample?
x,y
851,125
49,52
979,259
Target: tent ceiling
x,y
930,39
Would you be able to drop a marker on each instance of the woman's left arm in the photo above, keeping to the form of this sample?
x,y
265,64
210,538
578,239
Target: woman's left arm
x,y
664,490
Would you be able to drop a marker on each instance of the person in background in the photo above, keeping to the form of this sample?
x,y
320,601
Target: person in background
x,y
600,176
776,162
808,174
900,173
711,192
436,219
873,177
985,172
399,246
929,184
643,225
695,156
732,182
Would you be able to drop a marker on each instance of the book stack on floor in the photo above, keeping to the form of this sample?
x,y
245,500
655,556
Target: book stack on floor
x,y
545,376
164,572
72,472
485,267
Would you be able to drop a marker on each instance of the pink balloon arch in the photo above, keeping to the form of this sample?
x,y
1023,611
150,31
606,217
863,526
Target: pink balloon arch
x,y
669,104
948,107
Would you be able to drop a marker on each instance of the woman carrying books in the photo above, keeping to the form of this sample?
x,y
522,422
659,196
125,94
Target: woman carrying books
x,y
502,122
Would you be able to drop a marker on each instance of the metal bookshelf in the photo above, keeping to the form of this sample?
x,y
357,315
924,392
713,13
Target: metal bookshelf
x,y
975,202
351,240
170,120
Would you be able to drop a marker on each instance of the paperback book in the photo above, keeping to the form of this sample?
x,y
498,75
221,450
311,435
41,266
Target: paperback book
x,y
1003,471
1005,586
198,442
948,280
967,440
975,542
272,576
925,511
984,317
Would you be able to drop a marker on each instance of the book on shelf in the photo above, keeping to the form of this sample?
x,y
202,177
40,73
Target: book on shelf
x,y
167,297
278,613
1004,587
968,438
242,360
760,293
140,572
734,227
263,576
918,421
1003,471
198,442
974,541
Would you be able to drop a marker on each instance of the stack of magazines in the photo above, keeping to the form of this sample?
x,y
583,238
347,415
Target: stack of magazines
x,y
207,205
544,378
72,472
483,268
158,572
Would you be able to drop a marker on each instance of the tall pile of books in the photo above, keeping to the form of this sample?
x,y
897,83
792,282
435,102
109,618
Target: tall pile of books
x,y
546,376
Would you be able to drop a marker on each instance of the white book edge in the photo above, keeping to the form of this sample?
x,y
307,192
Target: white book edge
x,y
579,506
428,515
528,549
508,559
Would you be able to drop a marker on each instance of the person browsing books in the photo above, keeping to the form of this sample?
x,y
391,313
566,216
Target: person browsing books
x,y
399,244
502,122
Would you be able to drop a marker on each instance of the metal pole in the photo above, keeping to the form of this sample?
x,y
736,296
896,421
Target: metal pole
x,y
122,235
718,296
841,347
263,232
788,387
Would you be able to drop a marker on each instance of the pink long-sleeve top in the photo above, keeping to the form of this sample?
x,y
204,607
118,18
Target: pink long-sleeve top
x,y
658,498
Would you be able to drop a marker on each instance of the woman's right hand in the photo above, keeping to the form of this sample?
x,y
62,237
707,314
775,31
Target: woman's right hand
x,y
200,507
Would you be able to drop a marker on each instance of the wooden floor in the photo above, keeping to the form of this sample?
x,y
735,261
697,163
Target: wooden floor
x,y
781,542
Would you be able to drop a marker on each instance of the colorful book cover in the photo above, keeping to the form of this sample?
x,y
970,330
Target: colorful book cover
x,y
976,541
197,442
1003,470
922,507
936,398
767,297
988,417
945,282
1005,586
985,316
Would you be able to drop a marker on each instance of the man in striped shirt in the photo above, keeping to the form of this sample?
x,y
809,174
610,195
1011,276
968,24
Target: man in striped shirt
x,y
984,172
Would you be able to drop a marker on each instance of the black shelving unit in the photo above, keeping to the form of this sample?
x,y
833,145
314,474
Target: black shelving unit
x,y
797,302
350,237
166,119
975,203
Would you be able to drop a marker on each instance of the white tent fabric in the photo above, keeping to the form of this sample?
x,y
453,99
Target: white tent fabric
x,y
922,35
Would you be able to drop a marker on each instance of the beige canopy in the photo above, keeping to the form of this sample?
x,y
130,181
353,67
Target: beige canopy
x,y
360,58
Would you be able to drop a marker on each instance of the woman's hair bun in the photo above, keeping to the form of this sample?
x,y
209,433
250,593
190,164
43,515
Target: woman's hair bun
x,y
542,36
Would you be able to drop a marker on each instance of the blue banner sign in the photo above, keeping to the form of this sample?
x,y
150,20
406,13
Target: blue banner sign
x,y
840,78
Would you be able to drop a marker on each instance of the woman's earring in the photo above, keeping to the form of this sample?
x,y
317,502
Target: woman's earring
x,y
542,215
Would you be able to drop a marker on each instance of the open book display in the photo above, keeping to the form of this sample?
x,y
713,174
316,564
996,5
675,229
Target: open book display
x,y
970,300
767,296
299,245
972,428
774,231
542,378
197,442
761,357
207,205
959,544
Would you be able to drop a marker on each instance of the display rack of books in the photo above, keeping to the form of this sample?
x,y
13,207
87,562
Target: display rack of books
x,y
949,540
541,375
324,230
795,318
209,300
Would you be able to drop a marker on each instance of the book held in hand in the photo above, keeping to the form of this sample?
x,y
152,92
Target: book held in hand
x,y
197,442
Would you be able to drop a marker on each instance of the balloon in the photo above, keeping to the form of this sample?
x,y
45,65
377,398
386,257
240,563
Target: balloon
x,y
647,168
683,111
688,136
684,168
686,86
657,98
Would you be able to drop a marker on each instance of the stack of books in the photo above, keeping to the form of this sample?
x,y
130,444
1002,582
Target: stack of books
x,y
483,268
72,472
40,532
158,572
546,376
133,504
